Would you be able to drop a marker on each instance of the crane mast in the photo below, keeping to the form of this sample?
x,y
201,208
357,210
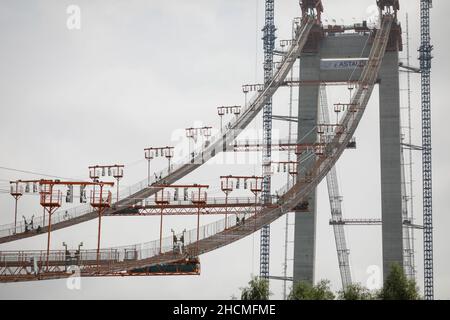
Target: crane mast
x,y
425,68
269,46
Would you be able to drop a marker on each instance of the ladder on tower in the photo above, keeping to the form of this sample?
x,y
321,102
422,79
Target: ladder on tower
x,y
290,181
407,177
408,247
335,204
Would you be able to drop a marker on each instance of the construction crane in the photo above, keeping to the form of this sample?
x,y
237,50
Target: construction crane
x,y
425,67
269,45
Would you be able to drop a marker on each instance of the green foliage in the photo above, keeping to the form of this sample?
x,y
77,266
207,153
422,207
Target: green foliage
x,y
398,287
258,289
356,292
305,291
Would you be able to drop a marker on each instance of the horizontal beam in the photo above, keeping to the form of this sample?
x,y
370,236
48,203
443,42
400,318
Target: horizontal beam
x,y
370,222
356,222
232,210
409,68
297,82
412,147
281,278
285,118
283,145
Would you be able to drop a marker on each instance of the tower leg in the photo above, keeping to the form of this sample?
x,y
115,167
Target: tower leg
x,y
305,222
305,243
390,153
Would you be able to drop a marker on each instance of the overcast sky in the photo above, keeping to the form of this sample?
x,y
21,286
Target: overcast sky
x,y
138,72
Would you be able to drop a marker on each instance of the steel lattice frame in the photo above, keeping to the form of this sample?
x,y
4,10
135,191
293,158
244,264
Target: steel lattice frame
x,y
425,66
269,46
218,236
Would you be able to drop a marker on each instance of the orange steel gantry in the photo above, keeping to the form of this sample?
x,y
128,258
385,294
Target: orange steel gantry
x,y
51,201
214,206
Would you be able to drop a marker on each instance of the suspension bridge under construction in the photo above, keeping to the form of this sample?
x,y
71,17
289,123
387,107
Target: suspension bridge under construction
x,y
358,56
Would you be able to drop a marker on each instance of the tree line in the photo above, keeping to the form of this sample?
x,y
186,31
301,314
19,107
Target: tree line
x,y
397,286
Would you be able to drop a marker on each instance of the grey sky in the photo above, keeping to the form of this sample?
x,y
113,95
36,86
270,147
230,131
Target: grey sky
x,y
137,72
